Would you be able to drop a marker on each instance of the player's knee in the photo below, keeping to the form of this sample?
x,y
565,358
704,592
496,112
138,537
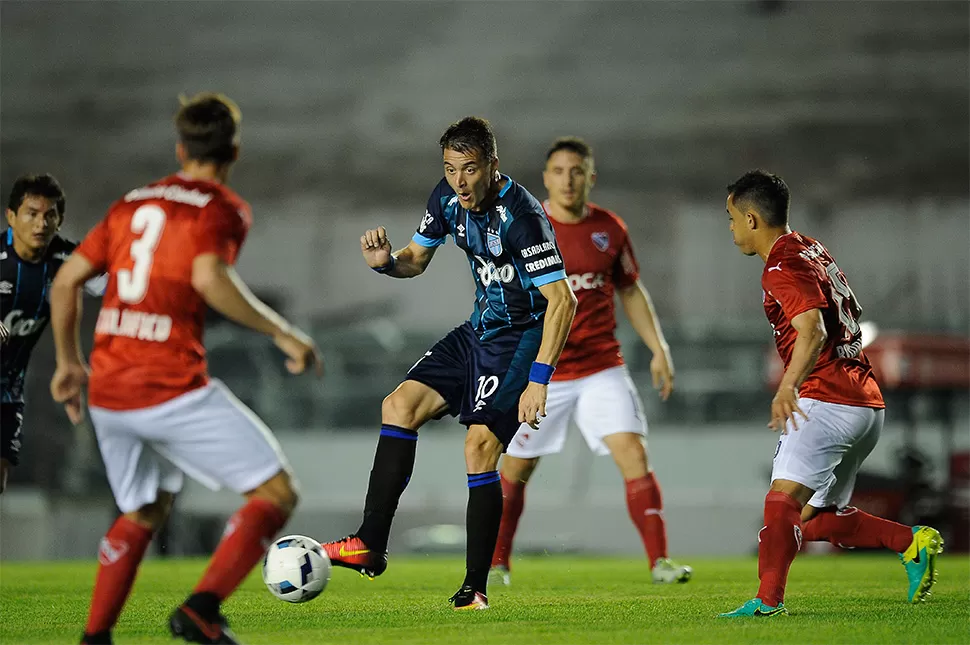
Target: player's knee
x,y
153,516
517,469
397,409
282,490
482,449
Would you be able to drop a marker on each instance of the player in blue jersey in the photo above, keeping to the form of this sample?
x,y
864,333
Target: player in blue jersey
x,y
31,252
492,371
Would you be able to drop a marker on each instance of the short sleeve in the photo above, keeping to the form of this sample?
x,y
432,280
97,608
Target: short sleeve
x,y
94,247
533,245
222,230
626,270
795,286
433,229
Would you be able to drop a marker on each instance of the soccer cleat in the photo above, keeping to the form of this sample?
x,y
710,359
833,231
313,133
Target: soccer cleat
x,y
666,571
101,638
754,608
500,575
352,553
193,628
919,560
468,598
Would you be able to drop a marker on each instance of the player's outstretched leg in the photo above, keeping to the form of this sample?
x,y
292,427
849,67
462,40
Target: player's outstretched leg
x,y
779,541
515,474
366,550
122,549
268,507
483,516
917,546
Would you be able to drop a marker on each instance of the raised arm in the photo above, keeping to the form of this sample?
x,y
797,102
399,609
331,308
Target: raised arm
x,y
409,262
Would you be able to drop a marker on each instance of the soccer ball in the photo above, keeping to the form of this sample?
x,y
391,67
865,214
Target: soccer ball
x,y
296,568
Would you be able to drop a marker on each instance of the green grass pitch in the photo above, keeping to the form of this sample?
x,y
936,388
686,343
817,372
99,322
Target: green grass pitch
x,y
555,599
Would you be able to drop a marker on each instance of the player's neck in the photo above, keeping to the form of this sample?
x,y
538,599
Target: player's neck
x,y
565,215
26,253
195,171
767,243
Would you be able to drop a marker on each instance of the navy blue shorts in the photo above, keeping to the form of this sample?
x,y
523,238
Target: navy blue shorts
x,y
481,381
11,424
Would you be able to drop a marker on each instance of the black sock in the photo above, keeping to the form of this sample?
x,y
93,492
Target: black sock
x,y
393,464
482,520
205,604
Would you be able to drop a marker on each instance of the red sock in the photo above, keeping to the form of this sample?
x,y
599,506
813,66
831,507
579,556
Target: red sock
x,y
513,500
645,504
242,546
779,539
121,551
850,527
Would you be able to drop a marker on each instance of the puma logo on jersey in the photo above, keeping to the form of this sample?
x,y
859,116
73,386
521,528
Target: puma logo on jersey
x,y
777,267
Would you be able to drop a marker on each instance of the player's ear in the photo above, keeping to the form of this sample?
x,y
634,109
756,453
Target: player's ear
x,y
751,220
235,152
592,179
11,216
181,153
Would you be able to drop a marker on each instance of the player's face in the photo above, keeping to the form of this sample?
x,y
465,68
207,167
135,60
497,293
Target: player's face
x,y
35,222
568,178
470,176
740,228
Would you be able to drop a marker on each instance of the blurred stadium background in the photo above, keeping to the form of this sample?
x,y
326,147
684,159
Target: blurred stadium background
x,y
861,106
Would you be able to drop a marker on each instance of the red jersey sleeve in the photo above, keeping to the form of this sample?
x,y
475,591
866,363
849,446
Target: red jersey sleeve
x,y
626,271
94,247
222,230
796,287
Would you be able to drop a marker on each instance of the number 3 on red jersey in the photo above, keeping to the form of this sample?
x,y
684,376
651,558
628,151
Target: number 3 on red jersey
x,y
148,221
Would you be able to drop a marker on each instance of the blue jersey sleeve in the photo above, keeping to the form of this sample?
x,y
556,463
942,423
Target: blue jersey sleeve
x,y
533,245
433,229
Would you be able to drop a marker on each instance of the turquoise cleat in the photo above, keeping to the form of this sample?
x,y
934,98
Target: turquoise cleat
x,y
919,560
754,608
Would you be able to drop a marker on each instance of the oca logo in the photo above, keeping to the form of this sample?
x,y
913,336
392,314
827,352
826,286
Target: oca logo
x,y
579,282
489,272
22,326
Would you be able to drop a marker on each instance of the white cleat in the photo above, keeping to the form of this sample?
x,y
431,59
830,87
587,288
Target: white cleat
x,y
666,571
499,575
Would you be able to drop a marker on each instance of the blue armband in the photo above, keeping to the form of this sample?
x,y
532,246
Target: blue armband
x,y
387,268
541,373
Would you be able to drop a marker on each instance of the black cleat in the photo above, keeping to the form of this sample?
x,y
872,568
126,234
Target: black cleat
x,y
100,638
468,598
193,628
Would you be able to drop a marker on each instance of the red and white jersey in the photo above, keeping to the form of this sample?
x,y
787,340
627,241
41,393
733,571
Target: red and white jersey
x,y
599,259
800,275
148,341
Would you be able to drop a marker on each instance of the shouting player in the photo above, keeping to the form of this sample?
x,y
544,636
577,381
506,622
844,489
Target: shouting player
x,y
31,252
828,406
169,249
491,372
591,381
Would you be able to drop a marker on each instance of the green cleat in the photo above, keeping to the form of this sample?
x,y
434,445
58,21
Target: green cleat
x,y
919,561
754,608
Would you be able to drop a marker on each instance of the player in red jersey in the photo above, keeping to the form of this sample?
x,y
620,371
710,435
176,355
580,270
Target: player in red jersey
x,y
169,250
828,406
591,380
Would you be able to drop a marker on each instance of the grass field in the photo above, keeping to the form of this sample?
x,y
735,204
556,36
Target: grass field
x,y
832,599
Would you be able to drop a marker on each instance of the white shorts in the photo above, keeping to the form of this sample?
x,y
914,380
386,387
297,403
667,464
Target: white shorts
x,y
605,403
828,448
207,434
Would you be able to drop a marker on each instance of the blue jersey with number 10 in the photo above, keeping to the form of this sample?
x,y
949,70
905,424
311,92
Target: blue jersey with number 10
x,y
511,249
